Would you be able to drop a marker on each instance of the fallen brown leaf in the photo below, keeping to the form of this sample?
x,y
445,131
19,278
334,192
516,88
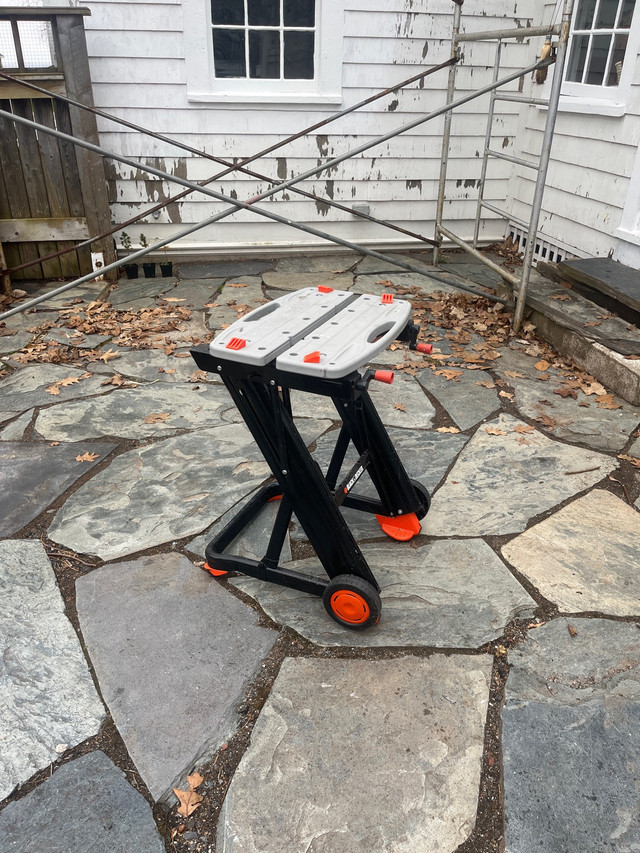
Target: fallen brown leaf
x,y
632,459
87,457
448,429
542,365
505,394
494,431
110,353
450,374
189,799
486,384
563,391
572,630
606,401
157,417
523,428
561,296
400,407
514,374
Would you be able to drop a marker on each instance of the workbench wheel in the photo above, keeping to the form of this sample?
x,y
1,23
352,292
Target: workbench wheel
x,y
423,496
352,601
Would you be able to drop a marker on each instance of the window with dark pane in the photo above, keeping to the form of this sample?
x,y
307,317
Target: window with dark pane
x,y
599,41
264,39
299,13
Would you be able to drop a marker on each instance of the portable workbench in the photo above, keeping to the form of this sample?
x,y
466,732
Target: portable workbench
x,y
316,340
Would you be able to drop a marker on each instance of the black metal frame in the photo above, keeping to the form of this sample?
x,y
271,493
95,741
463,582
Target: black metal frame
x,y
262,395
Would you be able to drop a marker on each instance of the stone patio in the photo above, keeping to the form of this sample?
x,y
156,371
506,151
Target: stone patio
x,y
509,641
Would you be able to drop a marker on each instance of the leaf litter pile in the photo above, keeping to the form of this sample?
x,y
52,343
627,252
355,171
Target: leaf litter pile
x,y
460,319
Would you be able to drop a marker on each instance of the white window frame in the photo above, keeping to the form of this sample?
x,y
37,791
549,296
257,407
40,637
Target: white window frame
x,y
602,100
204,87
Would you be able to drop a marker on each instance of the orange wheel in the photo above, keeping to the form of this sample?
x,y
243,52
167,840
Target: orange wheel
x,y
217,573
352,601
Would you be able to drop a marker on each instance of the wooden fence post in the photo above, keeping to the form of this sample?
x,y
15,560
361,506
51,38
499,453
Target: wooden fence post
x,y
75,66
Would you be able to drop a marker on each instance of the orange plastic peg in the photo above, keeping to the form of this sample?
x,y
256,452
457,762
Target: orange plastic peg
x,y
383,376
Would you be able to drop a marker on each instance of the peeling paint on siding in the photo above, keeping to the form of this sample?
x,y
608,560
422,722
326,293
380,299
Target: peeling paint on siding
x,y
282,167
393,106
322,141
414,185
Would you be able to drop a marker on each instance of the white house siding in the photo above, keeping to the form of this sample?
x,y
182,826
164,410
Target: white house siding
x,y
137,55
592,159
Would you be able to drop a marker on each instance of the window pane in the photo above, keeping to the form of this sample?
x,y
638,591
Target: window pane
x,y
36,40
264,13
228,53
227,11
598,60
607,14
619,48
626,14
584,16
264,54
299,13
7,47
575,66
298,56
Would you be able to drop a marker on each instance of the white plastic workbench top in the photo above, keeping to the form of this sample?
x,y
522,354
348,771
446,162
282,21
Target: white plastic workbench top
x,y
316,331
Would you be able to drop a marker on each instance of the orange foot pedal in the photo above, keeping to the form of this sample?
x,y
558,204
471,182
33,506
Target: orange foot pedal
x,y
217,573
402,528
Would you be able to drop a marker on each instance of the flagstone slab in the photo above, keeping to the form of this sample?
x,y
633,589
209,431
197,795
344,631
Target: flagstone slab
x,y
362,756
87,292
86,804
317,263
571,739
379,283
405,392
47,697
462,397
125,412
195,294
578,420
224,269
369,265
135,293
253,541
152,365
34,474
168,490
499,482
26,388
584,557
173,652
16,429
447,594
297,280
14,331
74,338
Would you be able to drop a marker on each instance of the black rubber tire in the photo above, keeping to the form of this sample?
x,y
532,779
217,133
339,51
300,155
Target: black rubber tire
x,y
358,611
423,496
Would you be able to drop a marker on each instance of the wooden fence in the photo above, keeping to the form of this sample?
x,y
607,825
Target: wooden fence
x,y
52,194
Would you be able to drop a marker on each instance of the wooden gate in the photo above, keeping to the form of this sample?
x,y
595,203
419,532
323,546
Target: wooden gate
x,y
52,193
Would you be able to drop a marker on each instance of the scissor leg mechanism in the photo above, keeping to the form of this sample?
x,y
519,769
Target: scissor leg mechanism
x,y
351,595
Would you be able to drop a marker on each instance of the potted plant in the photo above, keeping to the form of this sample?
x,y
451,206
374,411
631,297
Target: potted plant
x,y
166,266
130,269
149,267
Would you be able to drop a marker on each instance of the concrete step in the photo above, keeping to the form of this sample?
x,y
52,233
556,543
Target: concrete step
x,y
600,342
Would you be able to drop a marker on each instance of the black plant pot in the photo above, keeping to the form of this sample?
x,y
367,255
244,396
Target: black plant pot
x,y
131,270
166,269
149,270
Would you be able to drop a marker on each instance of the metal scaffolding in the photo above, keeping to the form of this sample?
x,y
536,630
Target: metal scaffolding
x,y
280,186
520,283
